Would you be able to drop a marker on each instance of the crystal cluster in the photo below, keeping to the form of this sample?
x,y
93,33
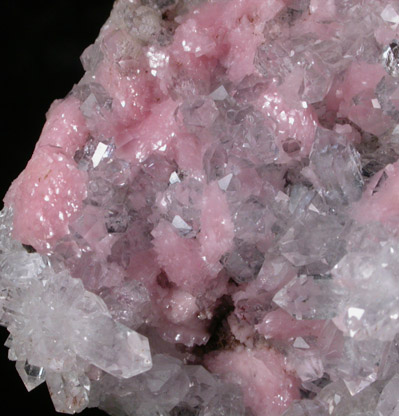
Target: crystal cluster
x,y
209,223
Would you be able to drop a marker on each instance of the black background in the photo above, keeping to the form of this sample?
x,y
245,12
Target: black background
x,y
41,42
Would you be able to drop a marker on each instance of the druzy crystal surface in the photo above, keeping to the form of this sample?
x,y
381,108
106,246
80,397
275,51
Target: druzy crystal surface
x,y
209,223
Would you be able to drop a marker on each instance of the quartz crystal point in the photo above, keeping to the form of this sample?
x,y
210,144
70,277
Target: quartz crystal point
x,y
209,223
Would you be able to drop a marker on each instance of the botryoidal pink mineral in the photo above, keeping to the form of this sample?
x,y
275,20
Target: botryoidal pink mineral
x,y
209,223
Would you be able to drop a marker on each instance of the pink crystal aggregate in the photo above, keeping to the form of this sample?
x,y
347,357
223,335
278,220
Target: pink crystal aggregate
x,y
225,179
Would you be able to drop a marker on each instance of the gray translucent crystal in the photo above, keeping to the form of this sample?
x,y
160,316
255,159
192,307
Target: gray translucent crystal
x,y
250,89
69,391
244,263
116,219
111,346
19,268
6,226
365,47
245,133
277,58
164,369
360,364
169,388
102,151
128,303
389,14
337,167
250,220
225,182
206,391
309,297
390,58
160,4
307,362
181,225
317,243
387,92
198,113
219,94
31,375
144,24
100,191
300,343
253,136
274,60
298,4
91,57
226,402
340,402
389,363
23,265
83,156
215,162
377,153
161,389
329,51
307,408
108,176
371,309
204,385
120,252
117,171
180,204
95,100
85,264
315,386
316,81
147,185
388,403
8,342
174,178
311,235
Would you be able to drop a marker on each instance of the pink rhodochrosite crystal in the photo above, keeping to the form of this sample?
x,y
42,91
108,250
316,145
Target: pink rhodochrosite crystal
x,y
209,223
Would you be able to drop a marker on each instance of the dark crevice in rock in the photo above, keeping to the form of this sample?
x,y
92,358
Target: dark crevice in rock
x,y
184,410
163,281
30,249
221,337
376,153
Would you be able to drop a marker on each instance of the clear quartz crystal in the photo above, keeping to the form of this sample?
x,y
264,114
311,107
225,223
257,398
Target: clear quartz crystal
x,y
69,391
340,403
309,297
106,343
307,408
31,375
391,59
388,403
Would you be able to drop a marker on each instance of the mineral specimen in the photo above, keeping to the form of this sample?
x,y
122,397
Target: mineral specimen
x,y
209,223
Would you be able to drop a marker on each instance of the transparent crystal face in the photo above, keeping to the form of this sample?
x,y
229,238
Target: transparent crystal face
x,y
31,375
391,59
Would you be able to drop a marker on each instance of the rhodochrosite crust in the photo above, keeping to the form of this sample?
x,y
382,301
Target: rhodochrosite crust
x,y
209,222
